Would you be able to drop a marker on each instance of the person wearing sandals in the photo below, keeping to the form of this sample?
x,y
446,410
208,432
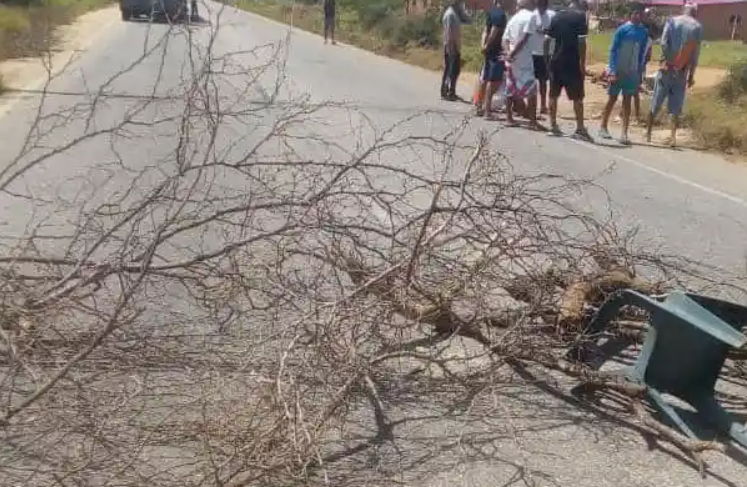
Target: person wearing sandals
x,y
627,58
567,64
492,72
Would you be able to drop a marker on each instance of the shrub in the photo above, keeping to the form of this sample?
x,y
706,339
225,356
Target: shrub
x,y
735,83
373,15
13,20
421,31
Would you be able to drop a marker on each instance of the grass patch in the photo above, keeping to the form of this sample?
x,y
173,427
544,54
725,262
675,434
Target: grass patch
x,y
714,54
381,27
27,28
718,124
719,117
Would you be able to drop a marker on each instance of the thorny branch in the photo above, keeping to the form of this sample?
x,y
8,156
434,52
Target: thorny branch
x,y
223,311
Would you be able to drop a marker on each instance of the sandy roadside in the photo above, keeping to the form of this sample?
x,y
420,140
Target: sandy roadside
x,y
74,40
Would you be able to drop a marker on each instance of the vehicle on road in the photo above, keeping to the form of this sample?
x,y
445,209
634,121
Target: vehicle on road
x,y
169,10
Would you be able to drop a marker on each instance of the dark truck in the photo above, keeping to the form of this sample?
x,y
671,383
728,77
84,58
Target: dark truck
x,y
169,10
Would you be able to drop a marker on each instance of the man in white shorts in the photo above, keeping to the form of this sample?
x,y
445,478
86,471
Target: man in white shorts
x,y
520,81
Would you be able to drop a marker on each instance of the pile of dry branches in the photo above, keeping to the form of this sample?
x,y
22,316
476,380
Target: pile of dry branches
x,y
222,315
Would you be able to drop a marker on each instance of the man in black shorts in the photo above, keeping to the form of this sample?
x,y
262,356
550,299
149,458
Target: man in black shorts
x,y
543,16
567,63
493,64
329,20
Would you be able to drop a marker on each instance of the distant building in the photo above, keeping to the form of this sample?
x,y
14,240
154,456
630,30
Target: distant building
x,y
721,19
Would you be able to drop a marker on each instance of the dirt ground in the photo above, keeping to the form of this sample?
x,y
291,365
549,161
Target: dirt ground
x,y
596,97
75,38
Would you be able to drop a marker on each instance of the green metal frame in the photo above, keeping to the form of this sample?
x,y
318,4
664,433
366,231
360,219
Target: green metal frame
x,y
683,353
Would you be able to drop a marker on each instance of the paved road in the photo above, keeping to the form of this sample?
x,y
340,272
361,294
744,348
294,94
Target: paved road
x,y
693,204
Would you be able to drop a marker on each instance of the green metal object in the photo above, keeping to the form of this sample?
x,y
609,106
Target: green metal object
x,y
686,344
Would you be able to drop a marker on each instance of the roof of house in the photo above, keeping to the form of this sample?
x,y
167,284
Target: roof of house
x,y
700,3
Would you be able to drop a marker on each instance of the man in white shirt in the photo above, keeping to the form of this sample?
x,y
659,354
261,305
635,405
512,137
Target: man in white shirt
x,y
520,81
543,16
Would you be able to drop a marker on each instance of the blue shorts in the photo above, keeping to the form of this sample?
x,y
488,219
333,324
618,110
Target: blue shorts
x,y
670,86
492,70
626,86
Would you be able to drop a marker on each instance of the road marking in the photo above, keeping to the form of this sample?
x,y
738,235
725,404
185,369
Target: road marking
x,y
673,177
6,105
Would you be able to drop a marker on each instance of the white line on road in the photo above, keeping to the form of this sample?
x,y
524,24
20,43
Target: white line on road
x,y
670,176
673,177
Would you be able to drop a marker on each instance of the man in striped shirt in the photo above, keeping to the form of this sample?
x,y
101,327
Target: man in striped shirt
x,y
680,47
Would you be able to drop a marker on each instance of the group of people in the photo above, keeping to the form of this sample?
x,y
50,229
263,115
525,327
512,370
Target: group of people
x,y
538,53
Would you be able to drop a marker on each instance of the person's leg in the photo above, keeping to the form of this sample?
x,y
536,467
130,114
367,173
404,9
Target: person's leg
x,y
637,105
510,120
556,87
450,75
576,92
676,102
626,106
457,70
614,93
512,97
657,100
326,29
444,77
532,109
480,99
494,74
490,90
543,81
332,29
481,89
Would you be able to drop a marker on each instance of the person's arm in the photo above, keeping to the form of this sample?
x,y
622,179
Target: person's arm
x,y
614,50
529,30
505,42
649,49
695,57
494,34
550,35
664,42
582,35
642,51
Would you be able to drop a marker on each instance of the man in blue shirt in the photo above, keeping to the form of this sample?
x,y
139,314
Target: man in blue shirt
x,y
492,72
627,58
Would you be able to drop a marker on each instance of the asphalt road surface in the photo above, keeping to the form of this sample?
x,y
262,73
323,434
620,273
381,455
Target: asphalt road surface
x,y
688,203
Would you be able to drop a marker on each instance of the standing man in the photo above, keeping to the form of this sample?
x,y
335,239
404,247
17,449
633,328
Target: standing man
x,y
493,66
627,55
329,20
452,51
520,81
680,47
567,63
543,16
